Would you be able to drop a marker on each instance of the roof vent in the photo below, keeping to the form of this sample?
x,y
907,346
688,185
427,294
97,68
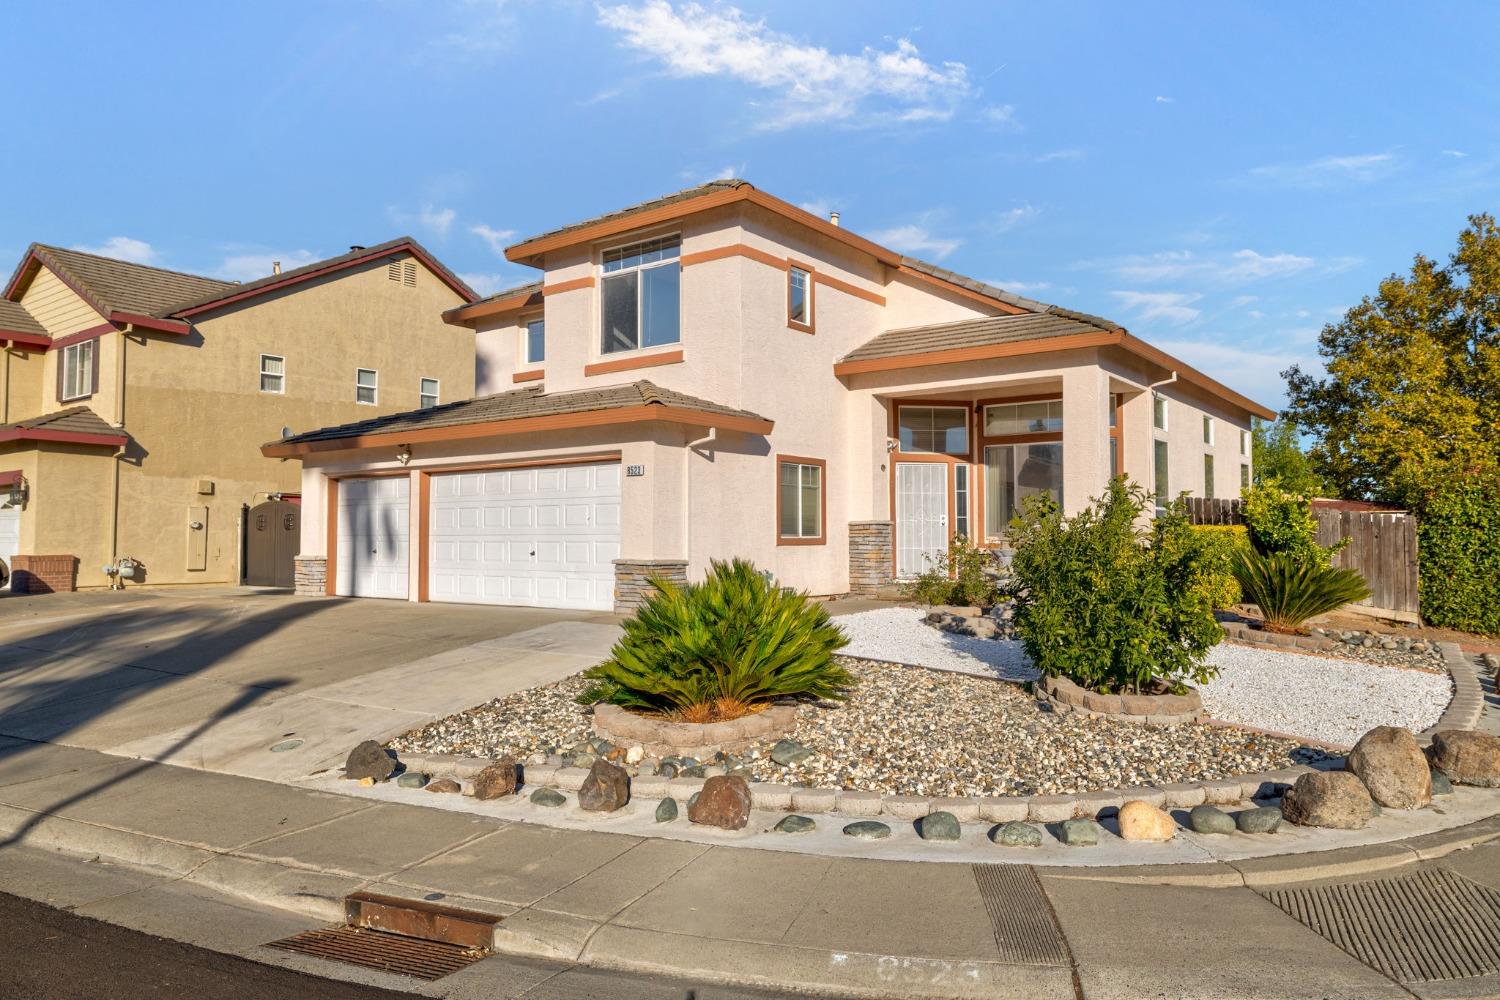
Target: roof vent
x,y
355,248
275,267
833,218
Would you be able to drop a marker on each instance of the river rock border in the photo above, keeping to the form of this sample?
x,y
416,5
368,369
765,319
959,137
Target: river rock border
x,y
1151,709
661,738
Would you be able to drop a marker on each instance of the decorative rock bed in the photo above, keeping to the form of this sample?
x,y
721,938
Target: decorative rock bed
x,y
1148,709
662,738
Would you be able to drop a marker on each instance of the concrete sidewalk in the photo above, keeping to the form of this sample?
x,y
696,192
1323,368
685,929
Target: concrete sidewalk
x,y
730,914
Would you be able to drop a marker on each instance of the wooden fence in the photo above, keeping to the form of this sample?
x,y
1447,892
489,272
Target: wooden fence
x,y
1382,547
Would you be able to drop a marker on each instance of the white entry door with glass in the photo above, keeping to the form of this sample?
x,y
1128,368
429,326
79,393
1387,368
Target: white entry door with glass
x,y
921,517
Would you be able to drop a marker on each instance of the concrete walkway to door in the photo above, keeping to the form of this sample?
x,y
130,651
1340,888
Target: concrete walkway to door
x,y
214,678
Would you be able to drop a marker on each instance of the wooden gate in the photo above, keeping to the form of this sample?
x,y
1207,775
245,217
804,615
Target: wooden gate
x,y
272,530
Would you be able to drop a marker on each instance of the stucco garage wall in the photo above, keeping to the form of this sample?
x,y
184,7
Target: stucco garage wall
x,y
69,509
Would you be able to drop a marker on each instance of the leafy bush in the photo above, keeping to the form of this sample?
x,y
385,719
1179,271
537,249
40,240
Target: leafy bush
x,y
1458,535
1290,588
1216,546
717,649
1108,604
961,577
1280,522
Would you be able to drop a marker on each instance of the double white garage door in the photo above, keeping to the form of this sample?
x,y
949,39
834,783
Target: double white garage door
x,y
544,536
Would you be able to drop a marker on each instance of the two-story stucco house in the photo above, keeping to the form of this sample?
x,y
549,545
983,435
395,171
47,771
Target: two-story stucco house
x,y
719,373
134,400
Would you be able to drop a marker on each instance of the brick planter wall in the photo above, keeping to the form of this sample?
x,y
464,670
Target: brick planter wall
x,y
632,580
870,555
661,738
1155,709
43,574
312,576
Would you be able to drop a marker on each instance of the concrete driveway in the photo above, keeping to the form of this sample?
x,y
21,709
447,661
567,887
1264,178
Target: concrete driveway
x,y
212,678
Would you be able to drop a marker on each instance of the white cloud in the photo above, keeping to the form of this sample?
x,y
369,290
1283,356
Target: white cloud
x,y
498,239
818,206
917,240
1238,266
811,84
1256,372
250,266
1014,217
435,221
1061,154
489,284
124,248
1455,153
1329,170
1165,100
1249,265
1168,307
1002,114
1022,287
1243,300
722,174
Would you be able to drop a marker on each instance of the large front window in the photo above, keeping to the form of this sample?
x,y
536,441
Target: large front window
x,y
77,370
1013,472
941,430
641,295
799,501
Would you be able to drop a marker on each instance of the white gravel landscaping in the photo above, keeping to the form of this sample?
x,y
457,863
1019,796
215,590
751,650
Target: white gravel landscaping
x,y
1315,697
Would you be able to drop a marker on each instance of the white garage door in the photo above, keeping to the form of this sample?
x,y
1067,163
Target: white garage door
x,y
545,537
10,536
374,528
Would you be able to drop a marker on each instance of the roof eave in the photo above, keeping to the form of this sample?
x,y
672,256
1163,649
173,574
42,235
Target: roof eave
x,y
155,324
474,312
46,434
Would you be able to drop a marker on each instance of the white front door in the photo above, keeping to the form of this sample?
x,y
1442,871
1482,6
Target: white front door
x,y
373,537
921,517
544,536
10,537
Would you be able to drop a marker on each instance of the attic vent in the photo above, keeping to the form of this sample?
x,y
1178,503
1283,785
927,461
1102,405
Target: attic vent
x,y
404,271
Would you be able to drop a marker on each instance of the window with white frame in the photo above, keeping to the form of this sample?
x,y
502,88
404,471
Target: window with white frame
x,y
272,374
1159,464
536,341
1208,430
77,363
641,295
366,385
942,430
799,303
1159,412
427,392
1245,443
799,500
961,500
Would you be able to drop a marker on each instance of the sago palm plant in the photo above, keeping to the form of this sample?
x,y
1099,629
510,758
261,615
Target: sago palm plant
x,y
1289,590
721,648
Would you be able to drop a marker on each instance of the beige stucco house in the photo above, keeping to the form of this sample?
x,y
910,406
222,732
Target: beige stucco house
x,y
134,400
719,373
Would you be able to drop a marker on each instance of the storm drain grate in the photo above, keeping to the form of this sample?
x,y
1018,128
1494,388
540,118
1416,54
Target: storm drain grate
x,y
1427,926
1025,930
405,956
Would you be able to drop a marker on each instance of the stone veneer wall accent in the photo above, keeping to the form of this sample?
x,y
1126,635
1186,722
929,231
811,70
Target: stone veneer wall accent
x,y
632,580
870,555
43,574
312,575
1154,709
661,738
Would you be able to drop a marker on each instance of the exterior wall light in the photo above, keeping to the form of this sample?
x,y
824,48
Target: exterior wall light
x,y
403,453
16,496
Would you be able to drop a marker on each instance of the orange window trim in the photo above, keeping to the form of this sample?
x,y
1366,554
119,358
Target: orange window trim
x,y
810,327
528,376
822,465
569,286
780,264
632,363
331,549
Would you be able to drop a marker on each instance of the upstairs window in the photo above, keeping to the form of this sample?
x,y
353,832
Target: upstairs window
x,y
76,377
366,385
1245,443
536,342
427,392
641,295
942,430
1159,412
799,301
272,374
1208,430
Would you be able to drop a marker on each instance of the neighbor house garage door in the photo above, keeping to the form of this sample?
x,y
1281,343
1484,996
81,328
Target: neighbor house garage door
x,y
545,536
374,529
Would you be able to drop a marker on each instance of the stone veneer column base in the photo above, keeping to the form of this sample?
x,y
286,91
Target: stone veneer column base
x,y
312,576
871,549
632,580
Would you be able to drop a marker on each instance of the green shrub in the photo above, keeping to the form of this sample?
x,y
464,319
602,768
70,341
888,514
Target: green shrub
x,y
1216,546
1280,522
716,649
1107,604
960,578
1458,536
1290,588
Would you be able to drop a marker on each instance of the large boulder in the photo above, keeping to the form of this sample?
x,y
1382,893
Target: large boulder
x,y
497,780
605,788
1142,821
724,802
1467,758
370,760
1336,799
1392,766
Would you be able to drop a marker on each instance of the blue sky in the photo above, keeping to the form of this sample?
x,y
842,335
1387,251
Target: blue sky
x,y
1223,179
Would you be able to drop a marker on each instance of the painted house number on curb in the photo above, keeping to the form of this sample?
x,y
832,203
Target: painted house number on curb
x,y
899,968
635,470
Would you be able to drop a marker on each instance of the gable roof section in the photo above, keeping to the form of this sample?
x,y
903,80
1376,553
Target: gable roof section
x,y
75,425
18,326
520,411
508,300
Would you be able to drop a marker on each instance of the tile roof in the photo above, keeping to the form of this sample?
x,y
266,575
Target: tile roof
x,y
686,194
74,420
128,287
983,332
530,288
15,319
518,404
964,281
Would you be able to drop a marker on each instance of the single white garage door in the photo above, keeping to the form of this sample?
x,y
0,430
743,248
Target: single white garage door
x,y
374,529
546,537
10,540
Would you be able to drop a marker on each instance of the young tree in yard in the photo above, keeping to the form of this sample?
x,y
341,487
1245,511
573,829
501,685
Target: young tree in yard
x,y
1279,458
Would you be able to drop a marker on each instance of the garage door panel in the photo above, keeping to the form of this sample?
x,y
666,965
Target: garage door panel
x,y
372,539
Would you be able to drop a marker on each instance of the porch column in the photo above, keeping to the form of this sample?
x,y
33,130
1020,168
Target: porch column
x,y
1085,401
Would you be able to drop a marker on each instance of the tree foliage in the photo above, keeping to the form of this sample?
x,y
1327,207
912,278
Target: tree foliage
x,y
1279,458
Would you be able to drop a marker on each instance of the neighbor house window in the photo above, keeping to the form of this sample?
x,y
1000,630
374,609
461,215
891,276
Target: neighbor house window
x,y
1044,417
799,500
536,342
1208,476
942,430
799,302
1208,430
1013,472
1244,477
1245,443
640,295
1159,460
366,385
77,378
428,393
961,501
1159,412
272,373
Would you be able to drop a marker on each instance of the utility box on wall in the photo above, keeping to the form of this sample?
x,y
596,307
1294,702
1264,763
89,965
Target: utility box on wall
x,y
197,538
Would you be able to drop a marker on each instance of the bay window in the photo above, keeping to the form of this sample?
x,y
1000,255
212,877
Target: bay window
x,y
641,295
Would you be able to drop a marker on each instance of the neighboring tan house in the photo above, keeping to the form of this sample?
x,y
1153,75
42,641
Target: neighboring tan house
x,y
719,373
134,400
